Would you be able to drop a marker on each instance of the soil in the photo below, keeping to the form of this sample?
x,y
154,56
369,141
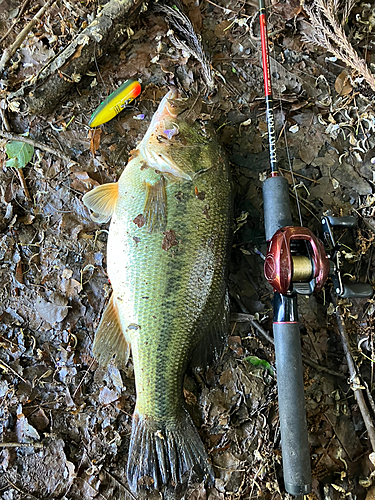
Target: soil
x,y
65,422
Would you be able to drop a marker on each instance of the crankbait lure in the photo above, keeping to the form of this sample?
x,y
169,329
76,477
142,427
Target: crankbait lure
x,y
115,103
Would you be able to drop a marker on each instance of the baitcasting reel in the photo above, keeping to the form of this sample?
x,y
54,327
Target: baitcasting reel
x,y
297,261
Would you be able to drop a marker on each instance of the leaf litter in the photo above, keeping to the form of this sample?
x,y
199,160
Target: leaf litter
x,y
54,284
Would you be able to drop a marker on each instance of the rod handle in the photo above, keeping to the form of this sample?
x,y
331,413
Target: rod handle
x,y
276,205
293,426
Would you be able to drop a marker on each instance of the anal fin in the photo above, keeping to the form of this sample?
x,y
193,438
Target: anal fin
x,y
155,208
110,341
102,201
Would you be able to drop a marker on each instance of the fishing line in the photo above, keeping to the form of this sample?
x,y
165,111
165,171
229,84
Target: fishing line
x,y
269,110
291,168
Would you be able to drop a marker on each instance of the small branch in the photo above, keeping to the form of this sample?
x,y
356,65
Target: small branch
x,y
48,88
83,378
23,7
21,445
320,368
10,51
22,180
121,485
39,145
249,318
354,378
246,317
6,367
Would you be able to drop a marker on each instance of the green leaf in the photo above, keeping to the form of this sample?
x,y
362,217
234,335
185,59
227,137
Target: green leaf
x,y
255,361
13,163
19,153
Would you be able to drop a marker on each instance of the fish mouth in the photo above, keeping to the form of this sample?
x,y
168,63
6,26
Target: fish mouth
x,y
172,94
154,152
164,109
170,105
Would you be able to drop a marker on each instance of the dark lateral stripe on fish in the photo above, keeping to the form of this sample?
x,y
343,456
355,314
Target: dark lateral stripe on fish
x,y
164,360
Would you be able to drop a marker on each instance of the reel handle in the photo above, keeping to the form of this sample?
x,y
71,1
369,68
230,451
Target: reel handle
x,y
357,291
347,290
346,221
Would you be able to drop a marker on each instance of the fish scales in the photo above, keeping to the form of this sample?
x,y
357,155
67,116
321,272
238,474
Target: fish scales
x,y
167,257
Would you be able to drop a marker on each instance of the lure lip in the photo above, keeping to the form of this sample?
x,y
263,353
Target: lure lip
x,y
115,102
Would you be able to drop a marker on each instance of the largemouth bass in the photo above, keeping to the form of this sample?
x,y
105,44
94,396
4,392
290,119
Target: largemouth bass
x,y
167,258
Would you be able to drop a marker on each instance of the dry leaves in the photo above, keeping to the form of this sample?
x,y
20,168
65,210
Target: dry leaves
x,y
94,136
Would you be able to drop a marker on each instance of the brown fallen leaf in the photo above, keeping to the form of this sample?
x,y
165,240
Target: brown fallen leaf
x,y
10,192
27,219
70,287
94,136
288,10
39,420
194,14
77,53
81,181
342,83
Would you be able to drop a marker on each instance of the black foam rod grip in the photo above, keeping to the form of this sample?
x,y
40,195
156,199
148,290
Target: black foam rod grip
x,y
276,205
293,426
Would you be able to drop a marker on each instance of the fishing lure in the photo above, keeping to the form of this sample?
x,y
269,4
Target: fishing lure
x,y
115,103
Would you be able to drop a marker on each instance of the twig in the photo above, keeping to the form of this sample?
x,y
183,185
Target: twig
x,y
337,436
369,397
299,175
23,6
39,145
21,445
118,482
321,368
23,493
249,318
10,51
22,180
83,378
354,378
5,366
227,9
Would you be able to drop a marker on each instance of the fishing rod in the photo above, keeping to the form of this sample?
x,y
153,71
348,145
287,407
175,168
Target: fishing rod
x,y
279,270
296,263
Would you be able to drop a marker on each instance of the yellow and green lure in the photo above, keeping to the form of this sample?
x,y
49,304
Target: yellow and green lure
x,y
115,103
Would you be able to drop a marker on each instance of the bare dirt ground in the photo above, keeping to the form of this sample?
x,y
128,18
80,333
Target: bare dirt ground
x,y
65,422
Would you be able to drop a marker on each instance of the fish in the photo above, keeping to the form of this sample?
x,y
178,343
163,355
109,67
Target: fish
x,y
167,256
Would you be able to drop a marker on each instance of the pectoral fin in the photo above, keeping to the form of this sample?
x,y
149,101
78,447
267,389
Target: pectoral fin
x,y
102,201
110,342
155,209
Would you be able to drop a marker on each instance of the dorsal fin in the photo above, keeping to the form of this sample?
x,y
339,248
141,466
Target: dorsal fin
x,y
110,341
102,201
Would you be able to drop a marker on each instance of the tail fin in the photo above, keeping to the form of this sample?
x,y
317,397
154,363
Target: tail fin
x,y
162,454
